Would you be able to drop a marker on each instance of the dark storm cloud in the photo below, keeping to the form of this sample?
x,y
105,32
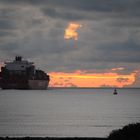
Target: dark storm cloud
x,y
126,22
6,33
8,12
121,10
110,9
67,15
7,24
121,52
130,6
9,47
35,29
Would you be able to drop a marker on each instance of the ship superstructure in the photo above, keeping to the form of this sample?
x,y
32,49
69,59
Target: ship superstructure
x,y
22,74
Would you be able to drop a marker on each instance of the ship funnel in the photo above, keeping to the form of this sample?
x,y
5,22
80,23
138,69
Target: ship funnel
x,y
18,58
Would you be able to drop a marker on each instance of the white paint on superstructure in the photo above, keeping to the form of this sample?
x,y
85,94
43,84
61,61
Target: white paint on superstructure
x,y
18,65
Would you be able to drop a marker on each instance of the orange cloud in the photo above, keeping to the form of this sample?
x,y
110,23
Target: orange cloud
x,y
79,79
115,69
71,31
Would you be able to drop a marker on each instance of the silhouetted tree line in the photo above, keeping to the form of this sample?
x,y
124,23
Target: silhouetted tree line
x,y
129,132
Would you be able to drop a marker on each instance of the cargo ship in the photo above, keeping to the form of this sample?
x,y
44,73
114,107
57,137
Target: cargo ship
x,y
22,74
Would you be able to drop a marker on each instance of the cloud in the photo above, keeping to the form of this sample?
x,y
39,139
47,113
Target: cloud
x,y
100,5
109,37
71,31
82,79
128,51
61,14
120,80
6,24
117,69
127,7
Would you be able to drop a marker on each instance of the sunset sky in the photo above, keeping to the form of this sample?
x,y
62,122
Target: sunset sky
x,y
80,43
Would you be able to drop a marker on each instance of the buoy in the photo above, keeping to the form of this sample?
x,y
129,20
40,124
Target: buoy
x,y
115,92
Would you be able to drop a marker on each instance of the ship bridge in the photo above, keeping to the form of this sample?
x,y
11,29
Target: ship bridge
x,y
18,64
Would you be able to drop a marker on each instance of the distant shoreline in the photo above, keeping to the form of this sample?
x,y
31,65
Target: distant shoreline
x,y
50,88
51,138
130,131
93,88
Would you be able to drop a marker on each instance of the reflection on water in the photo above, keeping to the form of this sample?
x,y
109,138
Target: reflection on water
x,y
67,112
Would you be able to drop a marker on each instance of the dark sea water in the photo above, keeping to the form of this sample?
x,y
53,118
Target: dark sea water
x,y
67,112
